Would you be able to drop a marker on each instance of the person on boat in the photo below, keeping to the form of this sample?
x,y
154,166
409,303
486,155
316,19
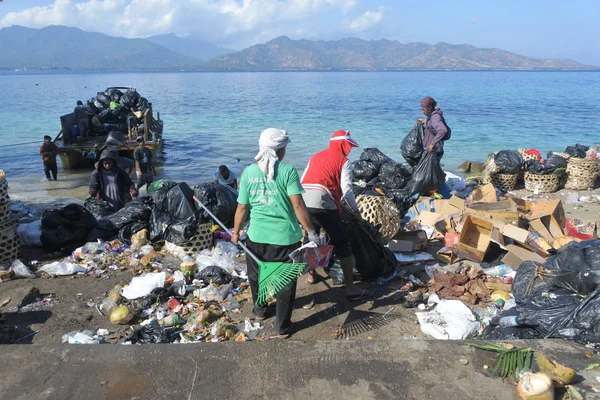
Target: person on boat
x,y
271,191
436,129
110,183
80,117
225,176
144,166
327,181
49,151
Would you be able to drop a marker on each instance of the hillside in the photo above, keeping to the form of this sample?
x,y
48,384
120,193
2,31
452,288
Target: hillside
x,y
60,47
201,51
283,53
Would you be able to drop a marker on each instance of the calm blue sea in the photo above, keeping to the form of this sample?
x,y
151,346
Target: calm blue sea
x,y
206,113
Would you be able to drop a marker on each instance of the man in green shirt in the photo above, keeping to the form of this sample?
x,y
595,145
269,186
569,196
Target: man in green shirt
x,y
272,190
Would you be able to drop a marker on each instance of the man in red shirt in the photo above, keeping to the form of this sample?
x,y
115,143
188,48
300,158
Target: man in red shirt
x,y
327,181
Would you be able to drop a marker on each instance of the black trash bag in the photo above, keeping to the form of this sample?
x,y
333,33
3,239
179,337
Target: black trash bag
x,y
544,313
110,91
494,332
364,170
537,168
372,260
577,266
141,104
403,198
393,175
63,238
375,156
214,274
99,208
126,101
577,151
508,161
555,162
103,233
72,216
126,232
367,191
159,223
181,231
133,95
100,106
221,200
527,282
134,211
150,333
176,199
103,98
427,175
91,108
115,138
412,144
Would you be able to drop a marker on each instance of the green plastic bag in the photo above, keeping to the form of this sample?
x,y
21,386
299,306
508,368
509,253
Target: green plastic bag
x,y
155,186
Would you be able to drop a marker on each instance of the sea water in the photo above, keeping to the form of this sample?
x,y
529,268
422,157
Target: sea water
x,y
213,118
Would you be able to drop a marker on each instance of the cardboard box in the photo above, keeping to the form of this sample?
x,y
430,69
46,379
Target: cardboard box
x,y
484,194
503,211
538,226
515,233
517,255
474,238
551,214
524,206
447,255
537,243
408,242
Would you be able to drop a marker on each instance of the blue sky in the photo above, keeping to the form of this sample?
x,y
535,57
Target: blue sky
x,y
548,29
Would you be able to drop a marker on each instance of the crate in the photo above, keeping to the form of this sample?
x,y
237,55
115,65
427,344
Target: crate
x,y
504,182
581,173
382,213
542,183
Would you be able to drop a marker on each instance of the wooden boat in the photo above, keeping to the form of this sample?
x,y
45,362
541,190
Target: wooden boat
x,y
77,153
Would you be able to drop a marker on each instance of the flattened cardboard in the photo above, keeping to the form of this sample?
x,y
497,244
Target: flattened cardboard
x,y
408,242
515,233
503,211
429,218
517,255
484,194
538,226
524,206
474,238
457,202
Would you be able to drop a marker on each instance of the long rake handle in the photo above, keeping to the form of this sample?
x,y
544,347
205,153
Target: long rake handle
x,y
218,221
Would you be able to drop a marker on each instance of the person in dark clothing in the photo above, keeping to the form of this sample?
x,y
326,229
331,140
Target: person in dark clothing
x,y
436,129
143,164
110,183
49,151
80,117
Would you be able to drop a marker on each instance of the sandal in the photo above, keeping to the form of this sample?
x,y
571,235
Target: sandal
x,y
365,294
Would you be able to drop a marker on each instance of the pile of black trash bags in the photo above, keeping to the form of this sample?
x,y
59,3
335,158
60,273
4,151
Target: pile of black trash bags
x,y
169,215
557,299
115,118
549,166
400,182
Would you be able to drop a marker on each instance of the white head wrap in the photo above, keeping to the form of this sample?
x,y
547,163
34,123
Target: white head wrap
x,y
270,141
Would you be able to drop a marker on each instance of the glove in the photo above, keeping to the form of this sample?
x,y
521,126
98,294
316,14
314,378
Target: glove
x,y
313,237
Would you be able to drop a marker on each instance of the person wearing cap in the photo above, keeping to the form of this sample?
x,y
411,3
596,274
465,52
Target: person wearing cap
x,y
271,192
143,164
436,129
110,183
49,151
226,176
327,181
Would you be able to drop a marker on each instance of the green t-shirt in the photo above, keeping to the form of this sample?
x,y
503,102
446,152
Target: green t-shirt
x,y
272,216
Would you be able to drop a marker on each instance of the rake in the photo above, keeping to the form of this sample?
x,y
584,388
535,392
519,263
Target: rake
x,y
273,276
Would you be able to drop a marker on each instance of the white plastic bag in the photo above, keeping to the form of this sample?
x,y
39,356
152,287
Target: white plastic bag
x,y
450,320
62,268
21,270
30,234
454,182
143,285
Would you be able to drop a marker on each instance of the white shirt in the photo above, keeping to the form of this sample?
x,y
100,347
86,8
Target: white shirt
x,y
222,181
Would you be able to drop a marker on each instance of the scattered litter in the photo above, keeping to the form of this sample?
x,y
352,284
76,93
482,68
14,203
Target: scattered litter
x,y
450,320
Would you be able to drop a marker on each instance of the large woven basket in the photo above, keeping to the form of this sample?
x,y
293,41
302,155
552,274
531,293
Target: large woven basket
x,y
382,213
9,245
504,182
542,183
4,201
527,157
581,173
201,241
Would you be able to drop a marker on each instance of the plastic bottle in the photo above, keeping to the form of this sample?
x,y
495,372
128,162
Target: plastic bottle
x,y
507,322
498,270
112,300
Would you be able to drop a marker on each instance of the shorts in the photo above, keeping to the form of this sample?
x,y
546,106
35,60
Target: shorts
x,y
145,178
331,221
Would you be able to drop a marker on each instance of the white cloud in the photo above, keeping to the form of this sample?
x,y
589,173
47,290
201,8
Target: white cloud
x,y
238,23
366,21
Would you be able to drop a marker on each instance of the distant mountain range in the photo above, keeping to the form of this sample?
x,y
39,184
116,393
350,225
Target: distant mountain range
x,y
60,47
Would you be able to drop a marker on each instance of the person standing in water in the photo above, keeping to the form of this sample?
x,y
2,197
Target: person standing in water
x,y
436,129
49,151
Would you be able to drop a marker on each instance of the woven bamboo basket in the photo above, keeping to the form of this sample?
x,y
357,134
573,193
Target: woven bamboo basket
x,y
4,214
527,157
382,213
581,173
9,245
504,182
4,198
542,183
201,241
